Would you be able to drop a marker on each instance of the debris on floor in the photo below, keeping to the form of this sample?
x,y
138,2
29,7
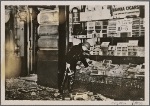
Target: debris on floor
x,y
19,89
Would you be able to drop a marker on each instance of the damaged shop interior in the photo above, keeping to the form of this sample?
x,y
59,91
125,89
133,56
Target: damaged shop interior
x,y
37,38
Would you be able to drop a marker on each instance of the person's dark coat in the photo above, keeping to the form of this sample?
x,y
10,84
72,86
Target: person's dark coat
x,y
76,54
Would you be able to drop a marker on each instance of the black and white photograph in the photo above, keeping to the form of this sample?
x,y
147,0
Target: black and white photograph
x,y
75,53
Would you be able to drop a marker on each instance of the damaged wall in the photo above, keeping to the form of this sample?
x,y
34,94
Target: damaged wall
x,y
15,55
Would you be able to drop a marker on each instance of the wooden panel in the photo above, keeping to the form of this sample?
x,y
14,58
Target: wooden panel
x,y
48,30
47,72
47,42
47,55
48,17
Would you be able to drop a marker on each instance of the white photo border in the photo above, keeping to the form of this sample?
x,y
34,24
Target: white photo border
x,y
43,102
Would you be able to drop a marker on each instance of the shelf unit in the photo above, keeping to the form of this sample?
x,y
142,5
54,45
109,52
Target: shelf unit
x,y
138,27
108,31
119,59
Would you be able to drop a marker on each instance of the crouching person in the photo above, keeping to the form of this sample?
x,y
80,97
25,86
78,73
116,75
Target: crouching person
x,y
76,53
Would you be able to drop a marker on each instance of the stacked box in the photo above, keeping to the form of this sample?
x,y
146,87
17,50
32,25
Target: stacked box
x,y
125,49
81,36
135,27
122,49
104,48
95,50
101,28
141,51
90,28
98,28
133,48
104,28
111,28
111,50
142,27
138,27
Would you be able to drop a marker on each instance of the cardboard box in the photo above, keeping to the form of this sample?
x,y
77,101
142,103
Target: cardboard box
x,y
104,48
122,49
141,51
118,53
90,25
133,43
105,44
132,53
81,36
111,50
124,53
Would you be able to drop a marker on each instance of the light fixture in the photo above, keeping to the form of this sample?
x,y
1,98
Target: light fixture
x,y
7,15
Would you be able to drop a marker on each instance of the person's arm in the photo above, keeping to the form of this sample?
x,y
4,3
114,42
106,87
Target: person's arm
x,y
83,60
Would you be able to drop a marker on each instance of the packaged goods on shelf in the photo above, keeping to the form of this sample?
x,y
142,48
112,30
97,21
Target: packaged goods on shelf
x,y
104,48
112,50
141,72
141,51
98,72
107,63
90,28
124,66
111,28
122,49
101,28
95,50
90,35
138,27
98,27
143,67
99,68
116,72
133,68
132,47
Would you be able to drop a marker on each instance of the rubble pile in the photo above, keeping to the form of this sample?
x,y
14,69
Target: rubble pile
x,y
17,89
106,68
111,80
89,96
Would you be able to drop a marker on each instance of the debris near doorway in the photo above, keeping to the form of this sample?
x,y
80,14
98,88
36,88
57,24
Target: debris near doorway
x,y
18,89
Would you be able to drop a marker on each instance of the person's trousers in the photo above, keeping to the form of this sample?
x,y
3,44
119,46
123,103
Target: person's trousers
x,y
69,79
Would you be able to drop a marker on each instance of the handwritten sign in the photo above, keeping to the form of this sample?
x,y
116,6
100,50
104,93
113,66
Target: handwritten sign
x,y
124,25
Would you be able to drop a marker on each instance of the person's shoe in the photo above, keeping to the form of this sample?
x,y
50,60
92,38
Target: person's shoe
x,y
70,73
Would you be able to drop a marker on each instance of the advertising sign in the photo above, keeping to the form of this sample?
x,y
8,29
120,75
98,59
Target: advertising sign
x,y
123,11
